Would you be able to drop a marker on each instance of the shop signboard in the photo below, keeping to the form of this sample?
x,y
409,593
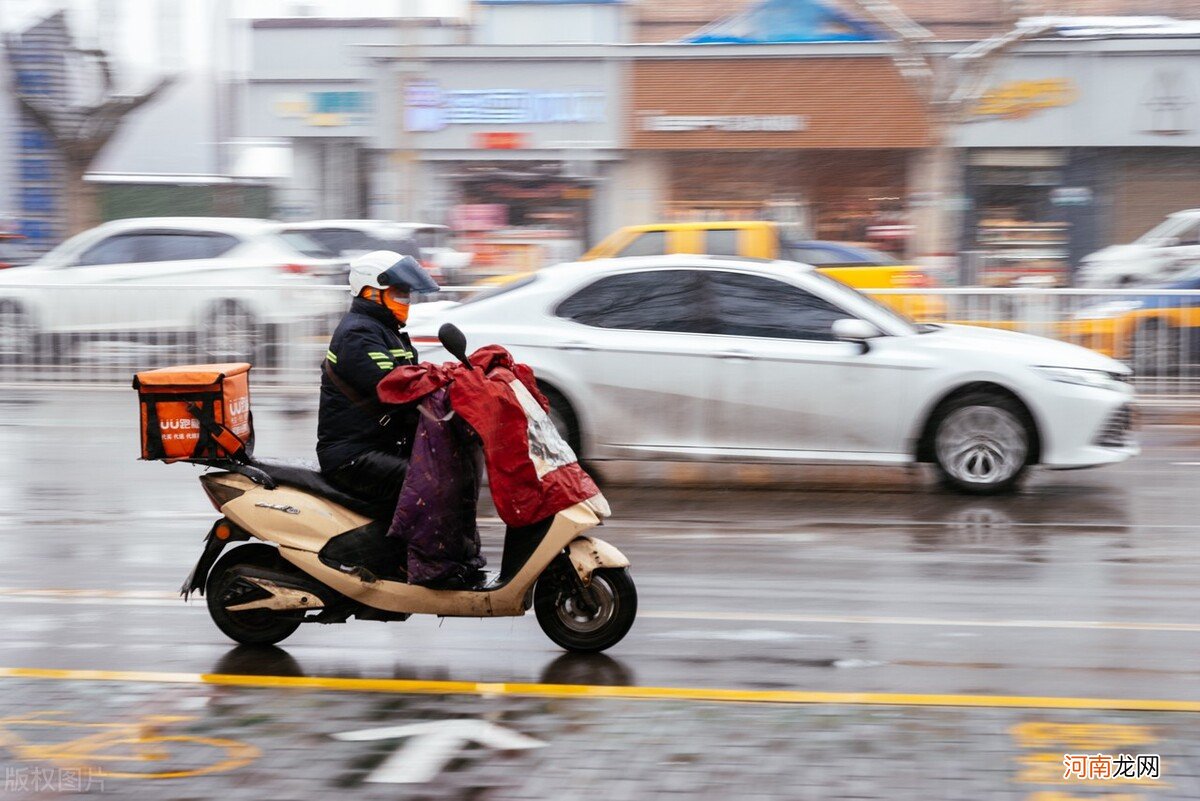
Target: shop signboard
x,y
710,103
722,122
1137,98
1020,99
297,109
428,107
469,103
324,109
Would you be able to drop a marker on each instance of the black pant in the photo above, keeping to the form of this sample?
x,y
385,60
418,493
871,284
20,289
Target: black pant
x,y
374,475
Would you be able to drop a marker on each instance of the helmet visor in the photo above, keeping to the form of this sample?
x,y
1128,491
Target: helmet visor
x,y
408,274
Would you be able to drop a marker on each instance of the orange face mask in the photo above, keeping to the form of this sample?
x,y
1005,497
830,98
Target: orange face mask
x,y
393,299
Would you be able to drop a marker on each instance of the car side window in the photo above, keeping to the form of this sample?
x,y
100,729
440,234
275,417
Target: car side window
x,y
650,243
656,300
119,249
185,246
722,242
756,306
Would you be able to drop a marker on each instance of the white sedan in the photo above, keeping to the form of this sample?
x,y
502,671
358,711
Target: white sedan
x,y
719,359
224,283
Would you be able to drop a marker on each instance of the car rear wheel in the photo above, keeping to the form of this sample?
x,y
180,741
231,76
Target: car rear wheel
x,y
982,443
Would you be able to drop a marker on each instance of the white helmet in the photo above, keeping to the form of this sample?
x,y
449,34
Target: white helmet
x,y
384,268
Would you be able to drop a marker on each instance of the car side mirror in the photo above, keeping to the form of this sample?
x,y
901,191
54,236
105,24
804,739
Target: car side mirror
x,y
455,342
854,330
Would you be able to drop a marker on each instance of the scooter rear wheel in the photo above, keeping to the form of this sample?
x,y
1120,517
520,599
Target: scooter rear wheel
x,y
586,619
252,626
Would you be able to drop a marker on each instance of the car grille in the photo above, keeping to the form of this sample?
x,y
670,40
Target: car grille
x,y
1118,431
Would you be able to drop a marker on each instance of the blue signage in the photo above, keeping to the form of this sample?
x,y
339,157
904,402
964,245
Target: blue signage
x,y
38,58
429,108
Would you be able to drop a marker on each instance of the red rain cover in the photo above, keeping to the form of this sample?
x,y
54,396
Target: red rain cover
x,y
532,472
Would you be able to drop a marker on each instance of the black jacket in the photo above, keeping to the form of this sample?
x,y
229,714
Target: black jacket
x,y
366,346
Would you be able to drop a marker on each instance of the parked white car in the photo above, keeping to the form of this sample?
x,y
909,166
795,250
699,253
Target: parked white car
x,y
427,242
716,359
1162,253
222,283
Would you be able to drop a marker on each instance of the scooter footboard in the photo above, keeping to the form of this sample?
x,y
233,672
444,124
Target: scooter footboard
x,y
589,554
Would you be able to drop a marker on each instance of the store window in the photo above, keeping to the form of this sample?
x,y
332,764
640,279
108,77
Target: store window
x,y
657,300
754,306
1021,231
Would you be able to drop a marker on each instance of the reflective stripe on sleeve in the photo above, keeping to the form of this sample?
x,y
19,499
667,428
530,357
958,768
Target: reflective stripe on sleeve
x,y
331,356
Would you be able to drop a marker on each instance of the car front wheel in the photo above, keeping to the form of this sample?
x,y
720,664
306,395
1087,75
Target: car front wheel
x,y
982,443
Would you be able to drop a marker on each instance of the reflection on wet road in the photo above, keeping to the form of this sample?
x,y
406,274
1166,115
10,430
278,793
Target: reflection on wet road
x,y
824,581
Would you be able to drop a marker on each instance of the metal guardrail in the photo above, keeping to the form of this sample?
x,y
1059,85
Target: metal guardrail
x,y
103,333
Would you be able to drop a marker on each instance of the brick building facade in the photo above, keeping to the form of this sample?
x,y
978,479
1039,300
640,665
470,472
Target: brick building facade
x,y
668,20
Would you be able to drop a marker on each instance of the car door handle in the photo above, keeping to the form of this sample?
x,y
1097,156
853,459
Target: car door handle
x,y
577,346
733,355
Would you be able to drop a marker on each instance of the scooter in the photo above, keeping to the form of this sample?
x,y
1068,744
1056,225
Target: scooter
x,y
291,569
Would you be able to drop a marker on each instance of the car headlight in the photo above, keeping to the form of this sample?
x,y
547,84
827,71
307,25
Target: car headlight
x,y
1103,379
1104,311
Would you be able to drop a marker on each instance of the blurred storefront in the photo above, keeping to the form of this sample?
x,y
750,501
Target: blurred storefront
x,y
307,109
1076,145
513,148
766,132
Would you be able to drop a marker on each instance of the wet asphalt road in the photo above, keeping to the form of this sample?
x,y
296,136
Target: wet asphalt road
x,y
1084,584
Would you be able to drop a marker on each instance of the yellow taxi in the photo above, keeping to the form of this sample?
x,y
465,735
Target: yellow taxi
x,y
861,268
1159,334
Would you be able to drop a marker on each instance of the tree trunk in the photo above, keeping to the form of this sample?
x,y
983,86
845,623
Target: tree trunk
x,y
82,199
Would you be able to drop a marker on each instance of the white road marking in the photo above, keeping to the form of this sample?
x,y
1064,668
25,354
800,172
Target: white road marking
x,y
430,746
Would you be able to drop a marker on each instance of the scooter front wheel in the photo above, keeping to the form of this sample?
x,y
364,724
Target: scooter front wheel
x,y
585,619
227,588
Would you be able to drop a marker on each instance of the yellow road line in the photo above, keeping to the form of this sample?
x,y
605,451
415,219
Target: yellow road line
x,y
419,687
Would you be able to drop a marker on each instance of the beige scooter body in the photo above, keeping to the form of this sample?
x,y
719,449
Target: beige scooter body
x,y
301,524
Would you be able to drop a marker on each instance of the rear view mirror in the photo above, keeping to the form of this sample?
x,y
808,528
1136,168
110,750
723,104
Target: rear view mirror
x,y
853,330
455,342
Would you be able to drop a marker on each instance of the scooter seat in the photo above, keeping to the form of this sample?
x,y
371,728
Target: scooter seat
x,y
301,475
